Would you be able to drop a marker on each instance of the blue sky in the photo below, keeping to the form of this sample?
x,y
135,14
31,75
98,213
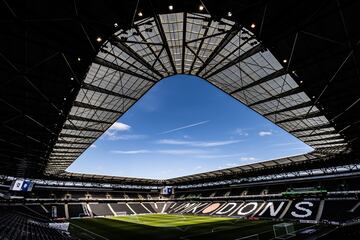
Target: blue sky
x,y
182,126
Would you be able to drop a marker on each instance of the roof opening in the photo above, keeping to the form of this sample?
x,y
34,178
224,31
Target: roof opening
x,y
183,126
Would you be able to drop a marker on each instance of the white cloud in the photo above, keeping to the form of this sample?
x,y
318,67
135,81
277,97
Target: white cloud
x,y
118,126
241,132
113,133
248,159
181,151
131,136
231,164
284,144
198,167
265,133
192,152
219,156
131,151
197,143
92,146
185,127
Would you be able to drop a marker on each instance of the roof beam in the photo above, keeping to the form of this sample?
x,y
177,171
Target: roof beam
x,y
227,38
26,136
153,52
78,128
281,95
267,78
209,36
105,91
139,42
68,147
324,139
318,134
295,107
132,53
332,145
115,67
65,154
183,44
301,117
164,41
326,143
238,59
89,106
317,127
78,118
66,135
200,46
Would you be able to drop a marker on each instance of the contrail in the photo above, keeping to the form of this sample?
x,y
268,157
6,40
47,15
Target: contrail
x,y
184,127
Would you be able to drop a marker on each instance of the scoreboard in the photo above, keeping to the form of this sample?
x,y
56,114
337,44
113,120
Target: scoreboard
x,y
168,190
21,185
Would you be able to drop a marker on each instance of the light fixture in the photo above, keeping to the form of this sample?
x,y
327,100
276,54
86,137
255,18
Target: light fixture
x,y
229,14
201,7
285,61
140,14
171,7
116,25
71,78
98,39
79,59
301,81
253,25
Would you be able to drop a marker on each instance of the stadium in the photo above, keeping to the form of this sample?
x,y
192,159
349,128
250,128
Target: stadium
x,y
71,69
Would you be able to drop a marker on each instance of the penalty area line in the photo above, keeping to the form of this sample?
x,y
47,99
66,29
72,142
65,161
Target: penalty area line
x,y
90,231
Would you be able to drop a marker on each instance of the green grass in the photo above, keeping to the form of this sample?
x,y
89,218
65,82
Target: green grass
x,y
166,221
169,227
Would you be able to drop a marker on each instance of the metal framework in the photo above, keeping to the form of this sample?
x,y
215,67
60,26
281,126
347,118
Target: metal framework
x,y
225,54
70,72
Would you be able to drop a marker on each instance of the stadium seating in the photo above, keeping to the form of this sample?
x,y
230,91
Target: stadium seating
x,y
18,224
138,208
340,205
55,210
77,210
100,209
121,209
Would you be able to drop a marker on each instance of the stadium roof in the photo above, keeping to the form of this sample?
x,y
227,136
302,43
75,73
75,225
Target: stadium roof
x,y
71,70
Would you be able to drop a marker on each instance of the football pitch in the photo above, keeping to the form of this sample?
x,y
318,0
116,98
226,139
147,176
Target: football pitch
x,y
169,227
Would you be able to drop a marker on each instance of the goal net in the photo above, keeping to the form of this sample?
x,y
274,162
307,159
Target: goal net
x,y
121,213
284,230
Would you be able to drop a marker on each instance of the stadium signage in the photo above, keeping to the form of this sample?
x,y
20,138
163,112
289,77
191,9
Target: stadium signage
x,y
304,210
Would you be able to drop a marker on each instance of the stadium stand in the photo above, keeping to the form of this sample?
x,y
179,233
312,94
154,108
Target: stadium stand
x,y
55,210
121,209
77,210
17,224
139,208
100,209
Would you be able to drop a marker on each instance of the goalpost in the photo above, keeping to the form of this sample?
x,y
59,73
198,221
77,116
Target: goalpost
x,y
121,213
284,230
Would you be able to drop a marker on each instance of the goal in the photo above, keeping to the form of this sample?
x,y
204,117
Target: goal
x,y
284,230
121,213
